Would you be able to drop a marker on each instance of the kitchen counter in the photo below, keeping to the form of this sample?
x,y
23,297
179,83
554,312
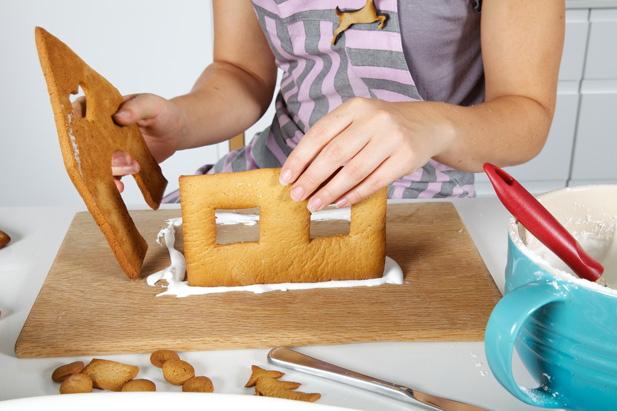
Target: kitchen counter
x,y
455,370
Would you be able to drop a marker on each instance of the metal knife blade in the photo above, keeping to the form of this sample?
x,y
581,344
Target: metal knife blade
x,y
286,357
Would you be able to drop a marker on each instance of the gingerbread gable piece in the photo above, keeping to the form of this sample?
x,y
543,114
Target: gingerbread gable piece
x,y
88,142
284,252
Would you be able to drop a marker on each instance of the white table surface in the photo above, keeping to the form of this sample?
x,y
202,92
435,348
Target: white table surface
x,y
455,370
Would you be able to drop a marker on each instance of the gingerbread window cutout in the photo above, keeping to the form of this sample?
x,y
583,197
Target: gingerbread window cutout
x,y
330,222
87,143
285,252
244,229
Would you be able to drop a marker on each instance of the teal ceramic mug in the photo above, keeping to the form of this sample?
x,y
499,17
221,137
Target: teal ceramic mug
x,y
563,328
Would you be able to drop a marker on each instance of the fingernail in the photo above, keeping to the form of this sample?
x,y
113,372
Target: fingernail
x,y
122,113
341,203
297,193
131,168
315,204
121,160
285,177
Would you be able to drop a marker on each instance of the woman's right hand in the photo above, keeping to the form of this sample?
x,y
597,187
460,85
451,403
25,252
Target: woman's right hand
x,y
161,124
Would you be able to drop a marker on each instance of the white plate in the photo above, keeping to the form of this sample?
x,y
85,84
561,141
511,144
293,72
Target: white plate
x,y
151,401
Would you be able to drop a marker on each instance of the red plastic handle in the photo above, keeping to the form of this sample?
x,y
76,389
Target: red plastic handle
x,y
541,223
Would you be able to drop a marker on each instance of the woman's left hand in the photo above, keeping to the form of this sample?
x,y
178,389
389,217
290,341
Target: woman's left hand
x,y
375,142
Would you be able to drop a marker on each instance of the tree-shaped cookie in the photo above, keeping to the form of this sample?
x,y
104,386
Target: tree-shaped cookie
x,y
267,384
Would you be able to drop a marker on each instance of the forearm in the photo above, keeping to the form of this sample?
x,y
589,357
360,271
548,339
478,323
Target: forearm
x,y
224,102
236,89
505,131
522,42
379,142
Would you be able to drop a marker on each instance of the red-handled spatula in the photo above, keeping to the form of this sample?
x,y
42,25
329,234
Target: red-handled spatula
x,y
541,223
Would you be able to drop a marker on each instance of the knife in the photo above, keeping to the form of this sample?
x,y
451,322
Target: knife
x,y
286,357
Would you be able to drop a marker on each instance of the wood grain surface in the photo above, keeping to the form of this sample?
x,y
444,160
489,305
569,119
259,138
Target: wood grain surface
x,y
87,306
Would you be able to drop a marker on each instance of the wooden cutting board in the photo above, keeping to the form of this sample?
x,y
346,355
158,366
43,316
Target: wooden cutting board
x,y
87,306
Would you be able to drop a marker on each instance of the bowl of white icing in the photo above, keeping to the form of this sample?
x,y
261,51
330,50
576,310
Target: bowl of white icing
x,y
563,328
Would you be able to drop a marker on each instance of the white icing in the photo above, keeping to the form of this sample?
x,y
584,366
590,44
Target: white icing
x,y
233,218
176,270
174,274
600,243
392,275
332,214
252,219
73,142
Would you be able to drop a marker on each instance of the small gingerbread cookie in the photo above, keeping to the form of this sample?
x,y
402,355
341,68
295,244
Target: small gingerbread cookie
x,y
177,372
268,387
198,384
283,389
258,372
64,371
110,375
76,384
267,384
159,357
139,385
4,239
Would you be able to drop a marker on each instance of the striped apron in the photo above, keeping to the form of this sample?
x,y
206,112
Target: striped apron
x,y
317,77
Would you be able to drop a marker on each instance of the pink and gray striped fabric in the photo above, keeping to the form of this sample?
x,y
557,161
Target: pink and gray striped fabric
x,y
317,77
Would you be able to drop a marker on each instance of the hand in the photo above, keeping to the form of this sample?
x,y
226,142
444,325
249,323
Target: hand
x,y
160,122
375,142
122,164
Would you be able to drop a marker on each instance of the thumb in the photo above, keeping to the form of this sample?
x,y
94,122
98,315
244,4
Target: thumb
x,y
136,107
